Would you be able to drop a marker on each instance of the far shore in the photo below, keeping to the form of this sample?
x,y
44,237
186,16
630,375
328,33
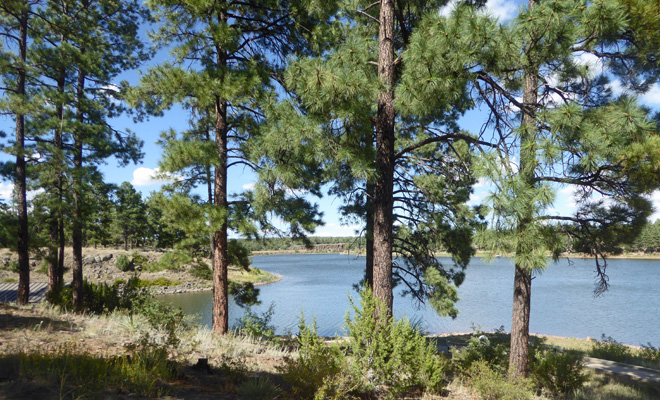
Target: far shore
x,y
478,254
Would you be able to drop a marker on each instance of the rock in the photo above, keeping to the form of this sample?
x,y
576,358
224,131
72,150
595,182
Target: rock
x,y
107,257
98,259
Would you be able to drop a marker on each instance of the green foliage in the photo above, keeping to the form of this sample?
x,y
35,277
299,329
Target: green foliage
x,y
561,373
391,356
99,298
139,260
160,281
77,374
492,384
259,388
172,260
318,364
480,349
609,349
257,326
201,271
162,316
124,263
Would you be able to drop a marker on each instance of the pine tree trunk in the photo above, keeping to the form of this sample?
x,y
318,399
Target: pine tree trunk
x,y
220,259
76,235
369,272
20,185
384,186
522,283
56,247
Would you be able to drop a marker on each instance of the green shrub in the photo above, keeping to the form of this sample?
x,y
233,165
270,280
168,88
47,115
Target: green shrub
x,y
77,374
161,316
560,373
202,271
258,389
170,261
609,349
139,260
160,281
316,367
257,326
494,385
480,348
98,298
124,263
391,357
650,356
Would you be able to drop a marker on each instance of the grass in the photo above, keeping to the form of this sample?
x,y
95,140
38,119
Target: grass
x,y
76,356
161,281
253,275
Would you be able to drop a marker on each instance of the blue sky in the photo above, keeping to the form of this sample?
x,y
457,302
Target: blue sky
x,y
142,175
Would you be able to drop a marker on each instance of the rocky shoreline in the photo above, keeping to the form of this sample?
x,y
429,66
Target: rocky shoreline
x,y
99,267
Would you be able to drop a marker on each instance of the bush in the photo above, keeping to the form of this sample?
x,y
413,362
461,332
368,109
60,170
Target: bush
x,y
139,261
316,367
480,348
609,349
161,316
257,326
391,357
560,373
98,298
494,385
170,261
650,356
257,389
124,263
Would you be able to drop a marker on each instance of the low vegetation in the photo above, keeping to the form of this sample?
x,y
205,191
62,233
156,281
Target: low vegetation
x,y
129,345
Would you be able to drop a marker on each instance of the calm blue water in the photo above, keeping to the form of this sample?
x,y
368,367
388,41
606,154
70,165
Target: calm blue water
x,y
562,297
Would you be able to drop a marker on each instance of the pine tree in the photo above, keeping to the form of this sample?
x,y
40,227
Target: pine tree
x,y
234,51
554,123
384,157
15,17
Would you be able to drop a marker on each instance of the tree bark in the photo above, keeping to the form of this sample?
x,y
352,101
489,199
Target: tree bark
x,y
220,258
20,184
76,235
369,271
522,282
56,247
383,190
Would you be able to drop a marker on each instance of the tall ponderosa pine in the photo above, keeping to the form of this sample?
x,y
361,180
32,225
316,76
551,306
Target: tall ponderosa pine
x,y
104,43
409,176
15,16
225,57
552,123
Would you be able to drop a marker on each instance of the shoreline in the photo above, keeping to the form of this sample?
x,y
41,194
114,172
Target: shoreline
x,y
478,254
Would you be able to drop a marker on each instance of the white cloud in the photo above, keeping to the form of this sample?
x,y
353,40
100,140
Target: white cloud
x,y
652,96
146,176
594,64
248,186
6,190
482,182
474,199
568,194
655,199
503,10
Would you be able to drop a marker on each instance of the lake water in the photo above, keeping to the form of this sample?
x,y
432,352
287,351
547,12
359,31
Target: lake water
x,y
562,297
